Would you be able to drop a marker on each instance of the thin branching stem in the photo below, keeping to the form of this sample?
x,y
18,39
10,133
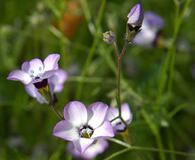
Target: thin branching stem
x,y
139,148
119,57
116,50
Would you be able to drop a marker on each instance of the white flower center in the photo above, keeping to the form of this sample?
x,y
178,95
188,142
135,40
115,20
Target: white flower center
x,y
36,73
86,132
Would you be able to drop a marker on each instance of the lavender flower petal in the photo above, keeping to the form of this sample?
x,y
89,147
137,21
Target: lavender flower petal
x,y
95,149
91,152
105,130
126,113
153,20
98,113
19,75
76,113
25,66
57,80
65,130
82,144
32,91
152,24
112,113
35,67
51,62
135,16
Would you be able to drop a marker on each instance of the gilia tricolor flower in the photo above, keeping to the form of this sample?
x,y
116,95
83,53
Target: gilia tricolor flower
x,y
151,28
41,79
117,123
83,126
134,23
97,147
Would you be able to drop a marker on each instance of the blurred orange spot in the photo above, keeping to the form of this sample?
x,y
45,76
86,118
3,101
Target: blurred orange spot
x,y
71,19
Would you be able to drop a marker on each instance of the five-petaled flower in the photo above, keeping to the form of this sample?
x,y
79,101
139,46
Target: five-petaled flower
x,y
97,147
82,125
41,79
117,123
151,27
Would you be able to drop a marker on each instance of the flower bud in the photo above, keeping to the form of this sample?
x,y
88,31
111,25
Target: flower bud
x,y
134,23
109,37
135,17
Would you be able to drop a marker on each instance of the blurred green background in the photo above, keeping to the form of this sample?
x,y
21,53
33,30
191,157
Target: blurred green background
x,y
163,117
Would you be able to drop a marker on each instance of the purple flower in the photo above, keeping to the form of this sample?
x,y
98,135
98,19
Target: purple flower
x,y
151,27
117,123
97,147
83,125
135,17
40,77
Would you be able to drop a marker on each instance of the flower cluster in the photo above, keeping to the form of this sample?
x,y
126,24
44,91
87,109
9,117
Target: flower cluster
x,y
41,79
87,127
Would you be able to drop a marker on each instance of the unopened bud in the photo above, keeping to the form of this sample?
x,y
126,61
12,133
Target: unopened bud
x,y
109,37
134,23
135,17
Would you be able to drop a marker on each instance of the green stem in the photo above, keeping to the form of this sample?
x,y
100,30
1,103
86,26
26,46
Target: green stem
x,y
90,80
116,50
139,148
92,49
117,154
111,64
168,65
155,132
118,76
170,143
57,112
87,15
53,107
160,146
172,51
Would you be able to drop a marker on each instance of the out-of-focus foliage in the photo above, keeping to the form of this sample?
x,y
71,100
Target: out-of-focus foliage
x,y
74,29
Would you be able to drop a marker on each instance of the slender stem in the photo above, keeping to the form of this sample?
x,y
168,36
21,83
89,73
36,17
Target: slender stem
x,y
150,149
90,79
87,15
116,50
57,112
93,47
118,74
124,48
168,65
117,154
160,146
170,144
155,132
114,119
172,47
118,77
122,143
